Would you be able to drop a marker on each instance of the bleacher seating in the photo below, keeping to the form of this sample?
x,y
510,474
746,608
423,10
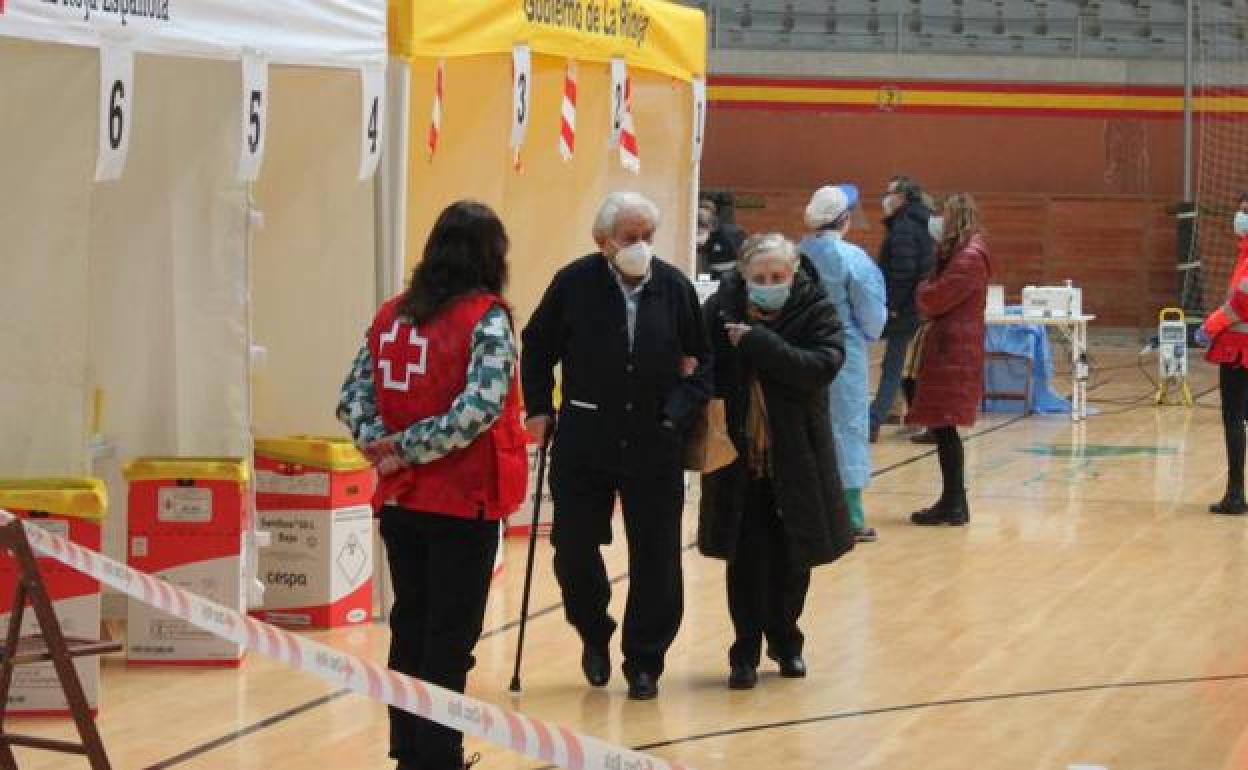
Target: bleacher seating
x,y
1114,29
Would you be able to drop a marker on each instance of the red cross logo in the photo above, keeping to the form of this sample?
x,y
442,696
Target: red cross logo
x,y
410,355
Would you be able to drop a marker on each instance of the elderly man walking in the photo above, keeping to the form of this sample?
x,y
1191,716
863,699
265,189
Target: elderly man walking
x,y
627,331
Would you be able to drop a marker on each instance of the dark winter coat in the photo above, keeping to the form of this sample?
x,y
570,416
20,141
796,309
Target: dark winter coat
x,y
795,358
951,377
905,259
623,410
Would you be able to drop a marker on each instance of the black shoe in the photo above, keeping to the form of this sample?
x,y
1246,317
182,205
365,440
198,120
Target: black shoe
x,y
1233,504
642,686
923,437
875,434
743,677
866,535
596,663
955,513
791,666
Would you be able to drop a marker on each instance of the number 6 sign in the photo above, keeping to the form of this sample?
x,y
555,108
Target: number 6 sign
x,y
116,110
255,111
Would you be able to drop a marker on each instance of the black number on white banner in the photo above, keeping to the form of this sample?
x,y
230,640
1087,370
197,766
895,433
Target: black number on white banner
x,y
697,138
253,138
522,84
372,124
619,105
116,114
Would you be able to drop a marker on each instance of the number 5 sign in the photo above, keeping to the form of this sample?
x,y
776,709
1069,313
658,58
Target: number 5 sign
x,y
255,112
116,110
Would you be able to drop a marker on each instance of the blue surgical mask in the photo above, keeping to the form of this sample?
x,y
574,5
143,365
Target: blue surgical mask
x,y
1241,223
769,299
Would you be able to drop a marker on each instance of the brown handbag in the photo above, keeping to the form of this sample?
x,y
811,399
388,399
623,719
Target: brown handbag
x,y
710,447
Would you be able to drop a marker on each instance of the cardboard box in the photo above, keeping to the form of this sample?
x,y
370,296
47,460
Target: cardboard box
x,y
314,497
188,524
73,509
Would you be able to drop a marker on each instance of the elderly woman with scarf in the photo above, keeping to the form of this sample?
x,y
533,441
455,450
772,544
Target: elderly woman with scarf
x,y
779,509
855,285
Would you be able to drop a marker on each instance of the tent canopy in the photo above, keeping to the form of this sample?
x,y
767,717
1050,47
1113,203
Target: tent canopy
x,y
652,35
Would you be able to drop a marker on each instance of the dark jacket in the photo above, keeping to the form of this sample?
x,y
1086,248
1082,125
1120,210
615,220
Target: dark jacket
x,y
794,357
951,376
615,401
718,256
905,259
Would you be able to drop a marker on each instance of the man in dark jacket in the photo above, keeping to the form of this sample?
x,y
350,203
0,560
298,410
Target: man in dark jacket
x,y
719,243
905,259
628,333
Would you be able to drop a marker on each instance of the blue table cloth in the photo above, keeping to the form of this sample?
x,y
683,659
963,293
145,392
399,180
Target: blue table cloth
x,y
1024,340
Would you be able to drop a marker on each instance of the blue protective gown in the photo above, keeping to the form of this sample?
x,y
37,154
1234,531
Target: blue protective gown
x,y
854,283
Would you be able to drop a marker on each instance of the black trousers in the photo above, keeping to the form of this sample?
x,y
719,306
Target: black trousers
x,y
584,501
1233,387
441,568
766,590
952,462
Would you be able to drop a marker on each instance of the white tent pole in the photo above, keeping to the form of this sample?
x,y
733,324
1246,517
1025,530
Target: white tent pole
x,y
390,192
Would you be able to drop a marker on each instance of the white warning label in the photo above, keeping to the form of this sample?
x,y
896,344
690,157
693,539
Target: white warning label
x,y
185,504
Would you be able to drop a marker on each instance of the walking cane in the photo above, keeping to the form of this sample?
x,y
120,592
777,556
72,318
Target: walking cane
x,y
528,570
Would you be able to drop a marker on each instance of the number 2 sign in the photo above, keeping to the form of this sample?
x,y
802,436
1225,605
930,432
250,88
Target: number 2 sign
x,y
116,111
255,111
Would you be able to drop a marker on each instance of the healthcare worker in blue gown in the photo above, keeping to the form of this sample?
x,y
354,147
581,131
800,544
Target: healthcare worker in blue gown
x,y
855,284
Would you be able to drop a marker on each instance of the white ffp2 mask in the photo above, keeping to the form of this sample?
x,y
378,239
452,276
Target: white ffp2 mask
x,y
634,260
936,228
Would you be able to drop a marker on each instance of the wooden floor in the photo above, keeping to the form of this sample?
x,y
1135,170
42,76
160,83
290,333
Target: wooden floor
x,y
1093,613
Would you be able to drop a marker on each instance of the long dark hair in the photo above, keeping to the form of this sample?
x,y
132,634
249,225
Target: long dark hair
x,y
466,252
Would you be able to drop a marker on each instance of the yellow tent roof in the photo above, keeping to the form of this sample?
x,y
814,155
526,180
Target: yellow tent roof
x,y
648,34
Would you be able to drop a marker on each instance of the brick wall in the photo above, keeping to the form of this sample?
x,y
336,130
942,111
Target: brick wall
x,y
1119,249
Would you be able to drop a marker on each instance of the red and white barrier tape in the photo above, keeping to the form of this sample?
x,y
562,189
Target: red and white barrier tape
x,y
532,737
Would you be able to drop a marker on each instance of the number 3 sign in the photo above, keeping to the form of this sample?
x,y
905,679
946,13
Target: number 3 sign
x,y
116,110
255,112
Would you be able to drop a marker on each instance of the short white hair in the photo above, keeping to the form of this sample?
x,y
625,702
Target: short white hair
x,y
618,203
767,245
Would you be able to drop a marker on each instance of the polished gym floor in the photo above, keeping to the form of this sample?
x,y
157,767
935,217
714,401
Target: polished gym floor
x,y
1092,613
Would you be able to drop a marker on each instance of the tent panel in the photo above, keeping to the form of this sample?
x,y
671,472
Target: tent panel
x,y
168,342
313,261
472,154
47,141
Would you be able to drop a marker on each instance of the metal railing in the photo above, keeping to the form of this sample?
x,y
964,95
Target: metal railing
x,y
735,26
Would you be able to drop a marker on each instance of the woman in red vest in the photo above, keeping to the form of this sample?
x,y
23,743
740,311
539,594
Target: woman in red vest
x,y
1225,333
430,400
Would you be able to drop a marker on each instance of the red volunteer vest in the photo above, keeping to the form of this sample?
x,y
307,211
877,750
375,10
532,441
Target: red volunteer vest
x,y
418,372
1228,325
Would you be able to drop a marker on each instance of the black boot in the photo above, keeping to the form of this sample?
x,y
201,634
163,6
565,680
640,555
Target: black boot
x,y
1231,504
950,509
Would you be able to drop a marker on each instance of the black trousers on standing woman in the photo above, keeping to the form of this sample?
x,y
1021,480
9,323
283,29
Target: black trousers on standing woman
x,y
441,567
766,589
1233,387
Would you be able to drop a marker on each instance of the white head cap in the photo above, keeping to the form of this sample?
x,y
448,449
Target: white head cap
x,y
829,204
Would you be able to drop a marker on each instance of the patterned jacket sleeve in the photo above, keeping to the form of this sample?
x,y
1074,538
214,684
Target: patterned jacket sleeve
x,y
357,401
491,370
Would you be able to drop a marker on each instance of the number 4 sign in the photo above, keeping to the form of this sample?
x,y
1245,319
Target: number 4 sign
x,y
372,117
254,115
116,110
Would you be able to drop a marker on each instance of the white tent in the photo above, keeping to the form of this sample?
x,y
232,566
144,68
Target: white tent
x,y
137,307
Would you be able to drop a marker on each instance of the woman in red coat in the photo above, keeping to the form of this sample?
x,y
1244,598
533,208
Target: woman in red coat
x,y
951,377
1225,332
